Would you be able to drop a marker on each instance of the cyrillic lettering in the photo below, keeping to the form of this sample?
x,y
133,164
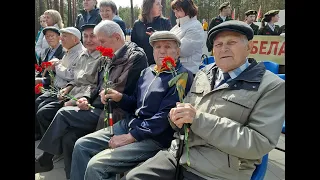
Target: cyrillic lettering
x,y
276,43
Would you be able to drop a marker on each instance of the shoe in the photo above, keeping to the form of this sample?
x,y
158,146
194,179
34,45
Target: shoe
x,y
42,168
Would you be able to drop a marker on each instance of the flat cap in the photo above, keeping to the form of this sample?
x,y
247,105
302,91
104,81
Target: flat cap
x,y
51,28
223,5
163,35
232,25
85,26
71,30
250,12
271,13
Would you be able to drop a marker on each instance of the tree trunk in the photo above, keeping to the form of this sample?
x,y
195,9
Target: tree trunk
x,y
69,13
132,15
41,7
172,17
61,10
74,11
163,3
56,5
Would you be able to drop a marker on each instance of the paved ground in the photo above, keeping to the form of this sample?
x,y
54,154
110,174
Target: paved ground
x,y
276,165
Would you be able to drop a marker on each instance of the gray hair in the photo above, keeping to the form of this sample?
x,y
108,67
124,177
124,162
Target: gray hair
x,y
109,3
108,28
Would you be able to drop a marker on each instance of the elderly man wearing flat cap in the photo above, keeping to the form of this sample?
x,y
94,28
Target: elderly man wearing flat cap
x,y
63,132
250,17
54,50
235,109
225,15
145,130
64,73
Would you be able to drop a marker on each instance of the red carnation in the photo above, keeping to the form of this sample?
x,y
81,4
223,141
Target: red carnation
x,y
39,69
38,88
108,52
168,63
46,64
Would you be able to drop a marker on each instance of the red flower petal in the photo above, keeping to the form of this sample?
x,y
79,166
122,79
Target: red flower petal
x,y
38,88
168,63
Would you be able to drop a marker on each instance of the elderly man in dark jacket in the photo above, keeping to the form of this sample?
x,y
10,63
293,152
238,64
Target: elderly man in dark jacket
x,y
145,130
55,50
72,122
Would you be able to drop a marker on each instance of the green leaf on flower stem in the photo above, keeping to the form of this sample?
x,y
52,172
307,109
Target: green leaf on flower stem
x,y
174,80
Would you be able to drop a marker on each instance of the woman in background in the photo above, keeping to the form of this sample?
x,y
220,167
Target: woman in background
x,y
270,18
150,20
190,32
43,24
108,11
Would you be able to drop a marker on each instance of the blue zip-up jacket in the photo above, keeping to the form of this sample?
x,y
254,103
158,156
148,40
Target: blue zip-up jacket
x,y
151,103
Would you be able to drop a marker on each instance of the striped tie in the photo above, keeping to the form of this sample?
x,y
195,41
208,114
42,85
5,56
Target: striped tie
x,y
226,76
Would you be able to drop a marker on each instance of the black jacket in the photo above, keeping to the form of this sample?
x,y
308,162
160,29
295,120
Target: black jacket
x,y
255,28
124,72
266,30
82,18
58,54
139,36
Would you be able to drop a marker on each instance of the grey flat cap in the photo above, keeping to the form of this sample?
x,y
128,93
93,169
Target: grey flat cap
x,y
232,25
163,35
71,30
51,28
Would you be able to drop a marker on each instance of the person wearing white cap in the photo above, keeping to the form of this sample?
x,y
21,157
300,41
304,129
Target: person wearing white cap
x,y
64,131
64,73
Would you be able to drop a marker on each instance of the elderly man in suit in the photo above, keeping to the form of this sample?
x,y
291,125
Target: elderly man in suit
x,y
55,50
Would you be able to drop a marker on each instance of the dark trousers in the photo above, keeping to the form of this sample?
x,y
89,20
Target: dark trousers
x,y
68,141
69,124
41,101
160,167
46,113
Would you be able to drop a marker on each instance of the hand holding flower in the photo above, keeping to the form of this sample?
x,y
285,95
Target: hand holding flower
x,y
83,104
184,113
111,94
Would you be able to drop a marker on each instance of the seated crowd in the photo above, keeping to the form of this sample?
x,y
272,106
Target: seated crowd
x,y
176,122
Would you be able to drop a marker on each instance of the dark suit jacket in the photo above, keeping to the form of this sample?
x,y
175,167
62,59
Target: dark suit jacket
x,y
266,30
255,28
82,17
58,54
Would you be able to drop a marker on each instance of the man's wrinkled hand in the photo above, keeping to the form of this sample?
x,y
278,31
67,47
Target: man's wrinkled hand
x,y
82,103
121,140
111,94
183,113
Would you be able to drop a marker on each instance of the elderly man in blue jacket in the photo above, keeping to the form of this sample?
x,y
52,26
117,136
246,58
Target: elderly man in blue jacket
x,y
145,130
